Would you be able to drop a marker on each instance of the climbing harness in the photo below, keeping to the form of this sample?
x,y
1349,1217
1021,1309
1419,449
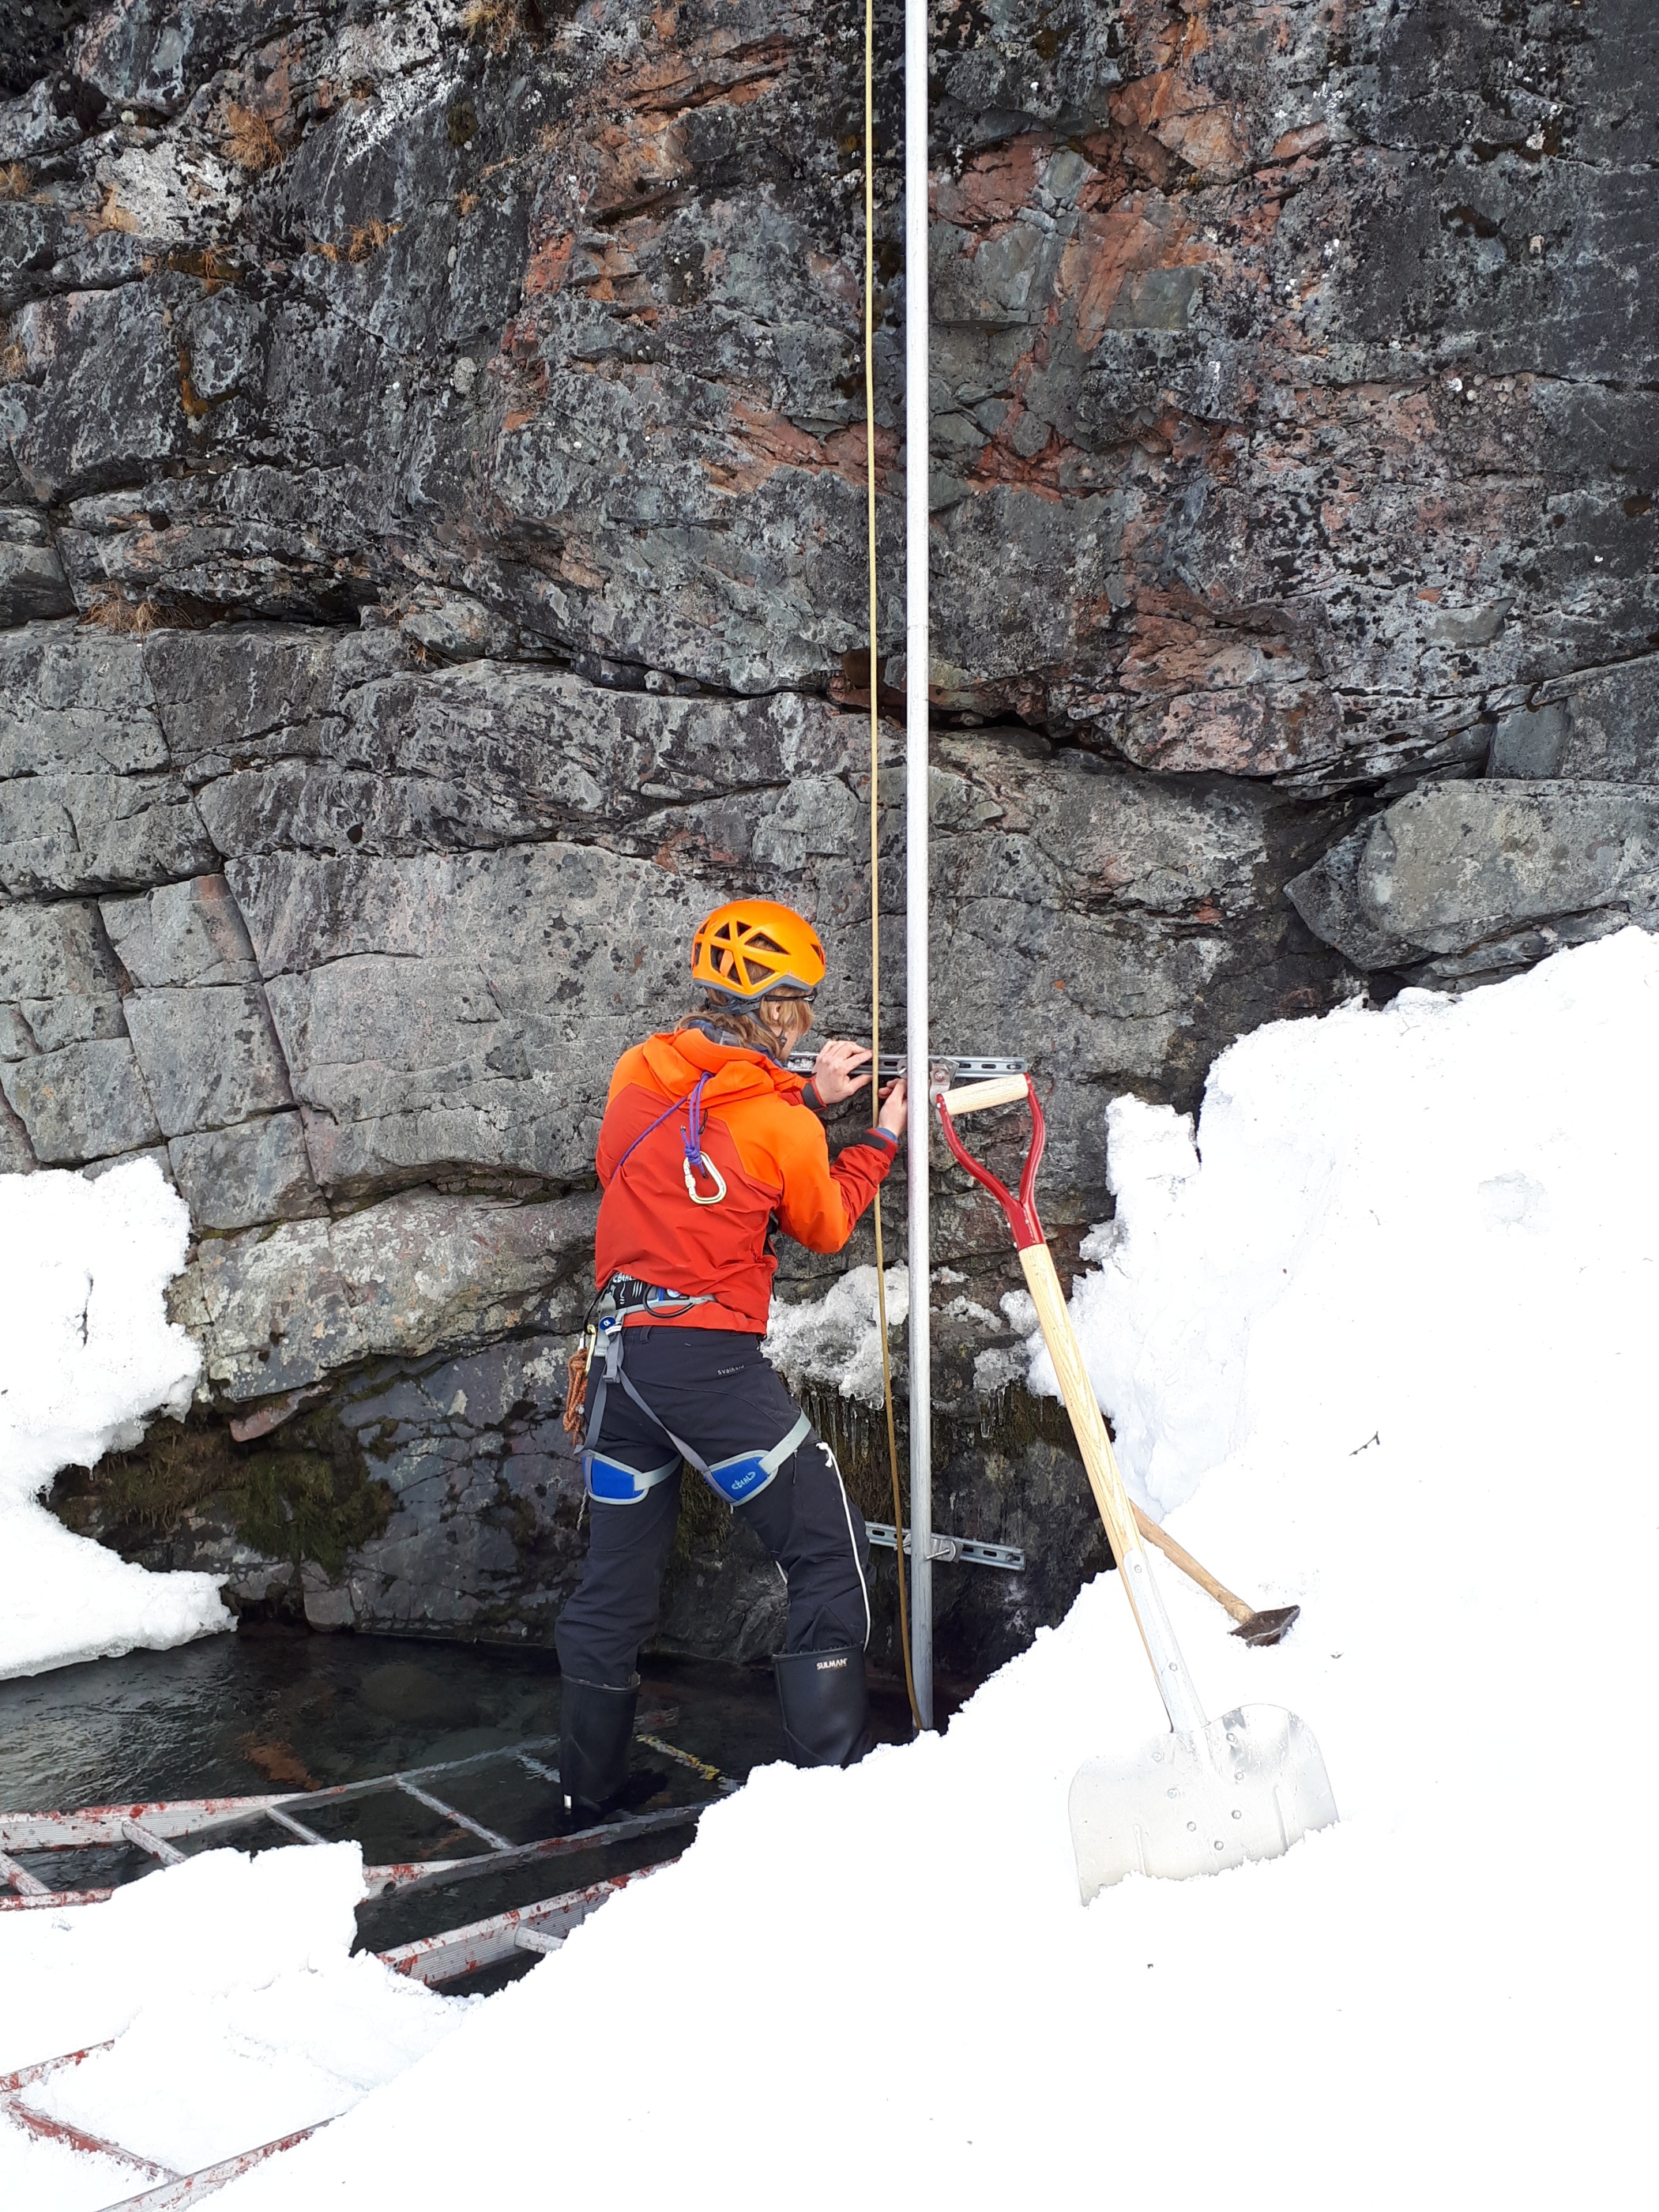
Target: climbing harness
x,y
581,1360
613,1481
622,1296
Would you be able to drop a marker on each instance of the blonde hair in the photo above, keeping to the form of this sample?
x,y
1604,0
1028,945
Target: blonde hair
x,y
738,1025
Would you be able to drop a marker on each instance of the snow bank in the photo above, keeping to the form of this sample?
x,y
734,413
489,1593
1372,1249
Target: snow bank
x,y
235,2012
1394,1209
87,1354
1392,1342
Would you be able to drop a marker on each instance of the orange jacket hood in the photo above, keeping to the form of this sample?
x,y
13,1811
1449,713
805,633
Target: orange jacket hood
x,y
677,1057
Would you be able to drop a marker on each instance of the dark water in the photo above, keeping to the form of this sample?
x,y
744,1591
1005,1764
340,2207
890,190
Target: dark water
x,y
237,1715
245,1715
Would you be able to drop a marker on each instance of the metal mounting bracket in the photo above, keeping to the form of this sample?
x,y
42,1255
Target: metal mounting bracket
x,y
964,1551
961,1067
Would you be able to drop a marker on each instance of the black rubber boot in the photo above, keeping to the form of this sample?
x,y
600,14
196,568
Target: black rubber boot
x,y
596,1727
825,1705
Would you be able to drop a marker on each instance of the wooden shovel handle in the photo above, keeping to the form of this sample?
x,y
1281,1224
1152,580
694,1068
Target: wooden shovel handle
x,y
1118,1511
1175,1684
975,1098
1099,1462
1188,1565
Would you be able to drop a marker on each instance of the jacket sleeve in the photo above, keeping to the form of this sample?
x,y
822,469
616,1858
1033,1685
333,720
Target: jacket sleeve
x,y
823,1198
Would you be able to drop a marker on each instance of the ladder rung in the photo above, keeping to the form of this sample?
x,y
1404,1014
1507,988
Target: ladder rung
x,y
25,1883
437,1805
295,1827
147,1840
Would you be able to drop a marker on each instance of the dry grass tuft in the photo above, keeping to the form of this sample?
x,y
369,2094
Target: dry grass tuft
x,y
501,24
110,217
126,617
14,180
189,397
368,238
360,245
249,139
14,362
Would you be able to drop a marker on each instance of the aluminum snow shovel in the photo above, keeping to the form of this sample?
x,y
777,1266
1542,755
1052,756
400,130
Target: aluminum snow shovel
x,y
1211,1794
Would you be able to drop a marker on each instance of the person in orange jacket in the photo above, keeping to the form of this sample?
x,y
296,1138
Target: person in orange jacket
x,y
709,1146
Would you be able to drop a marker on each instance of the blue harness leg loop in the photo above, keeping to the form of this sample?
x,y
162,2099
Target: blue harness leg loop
x,y
739,1480
613,1482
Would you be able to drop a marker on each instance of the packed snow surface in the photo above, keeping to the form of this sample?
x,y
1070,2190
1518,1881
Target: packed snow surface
x,y
1387,1351
86,1354
233,2011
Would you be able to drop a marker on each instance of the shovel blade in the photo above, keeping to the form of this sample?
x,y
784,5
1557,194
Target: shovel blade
x,y
1246,1786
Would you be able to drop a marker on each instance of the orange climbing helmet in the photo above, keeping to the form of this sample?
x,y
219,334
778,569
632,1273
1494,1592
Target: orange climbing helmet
x,y
750,947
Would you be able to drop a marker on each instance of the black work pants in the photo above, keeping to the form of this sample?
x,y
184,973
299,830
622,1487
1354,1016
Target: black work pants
x,y
714,1390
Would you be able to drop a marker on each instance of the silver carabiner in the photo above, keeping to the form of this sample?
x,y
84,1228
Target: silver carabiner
x,y
708,1168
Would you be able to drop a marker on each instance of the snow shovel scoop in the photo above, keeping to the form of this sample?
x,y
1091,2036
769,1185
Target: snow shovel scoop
x,y
1211,1794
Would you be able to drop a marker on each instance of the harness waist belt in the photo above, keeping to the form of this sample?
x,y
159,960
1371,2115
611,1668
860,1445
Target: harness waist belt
x,y
627,1294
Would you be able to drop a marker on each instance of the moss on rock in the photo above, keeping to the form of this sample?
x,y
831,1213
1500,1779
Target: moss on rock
x,y
310,1499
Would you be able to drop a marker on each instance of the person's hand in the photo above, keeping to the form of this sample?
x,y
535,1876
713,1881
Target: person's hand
x,y
835,1072
894,1108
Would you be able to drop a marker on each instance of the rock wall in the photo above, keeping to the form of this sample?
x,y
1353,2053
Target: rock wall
x,y
431,574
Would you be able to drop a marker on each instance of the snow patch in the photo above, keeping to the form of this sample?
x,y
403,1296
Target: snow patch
x,y
87,1355
836,1338
235,2008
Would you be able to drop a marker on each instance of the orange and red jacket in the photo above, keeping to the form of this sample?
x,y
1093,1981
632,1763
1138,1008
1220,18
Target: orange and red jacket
x,y
767,1146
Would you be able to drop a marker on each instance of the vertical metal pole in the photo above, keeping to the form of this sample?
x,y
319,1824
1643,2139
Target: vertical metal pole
x,y
915,842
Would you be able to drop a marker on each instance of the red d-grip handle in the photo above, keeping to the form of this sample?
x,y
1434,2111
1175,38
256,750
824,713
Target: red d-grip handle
x,y
1022,1211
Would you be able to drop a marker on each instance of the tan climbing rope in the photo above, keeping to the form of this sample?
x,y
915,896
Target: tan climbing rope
x,y
875,818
